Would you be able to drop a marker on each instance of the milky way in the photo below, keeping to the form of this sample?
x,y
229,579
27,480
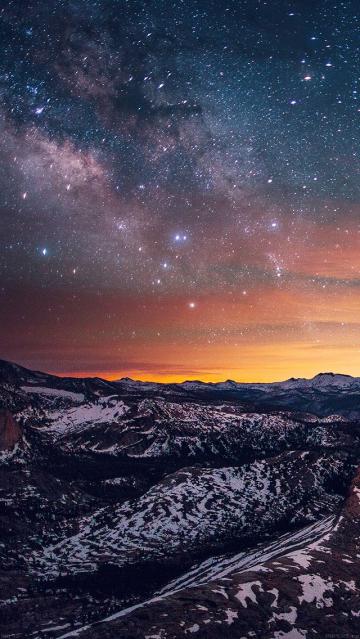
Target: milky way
x,y
180,187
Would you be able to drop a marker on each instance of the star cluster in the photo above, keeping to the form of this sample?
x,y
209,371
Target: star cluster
x,y
180,186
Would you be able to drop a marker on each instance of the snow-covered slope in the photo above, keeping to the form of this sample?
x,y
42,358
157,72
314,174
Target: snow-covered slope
x,y
195,508
287,594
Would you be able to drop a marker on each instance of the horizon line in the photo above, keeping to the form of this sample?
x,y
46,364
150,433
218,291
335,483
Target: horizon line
x,y
113,377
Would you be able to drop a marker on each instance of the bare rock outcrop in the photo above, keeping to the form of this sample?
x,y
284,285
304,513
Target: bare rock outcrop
x,y
10,431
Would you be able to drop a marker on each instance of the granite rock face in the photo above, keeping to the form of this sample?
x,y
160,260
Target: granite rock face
x,y
10,431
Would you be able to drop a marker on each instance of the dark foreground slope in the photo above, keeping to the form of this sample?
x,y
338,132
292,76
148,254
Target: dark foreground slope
x,y
310,592
132,510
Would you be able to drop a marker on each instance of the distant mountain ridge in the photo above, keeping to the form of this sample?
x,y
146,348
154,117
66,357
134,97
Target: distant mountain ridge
x,y
319,378
8,366
323,395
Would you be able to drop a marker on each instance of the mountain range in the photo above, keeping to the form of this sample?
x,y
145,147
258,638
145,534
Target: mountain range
x,y
158,511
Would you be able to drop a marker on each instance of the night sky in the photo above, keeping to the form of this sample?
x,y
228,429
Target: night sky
x,y
179,187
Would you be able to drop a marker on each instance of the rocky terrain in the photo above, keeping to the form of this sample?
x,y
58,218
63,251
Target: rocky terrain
x,y
154,511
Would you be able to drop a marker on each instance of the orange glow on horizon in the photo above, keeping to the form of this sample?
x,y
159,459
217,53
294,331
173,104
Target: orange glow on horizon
x,y
267,363
262,329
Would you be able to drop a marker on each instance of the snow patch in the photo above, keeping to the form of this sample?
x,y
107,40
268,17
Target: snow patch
x,y
314,588
246,592
53,392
